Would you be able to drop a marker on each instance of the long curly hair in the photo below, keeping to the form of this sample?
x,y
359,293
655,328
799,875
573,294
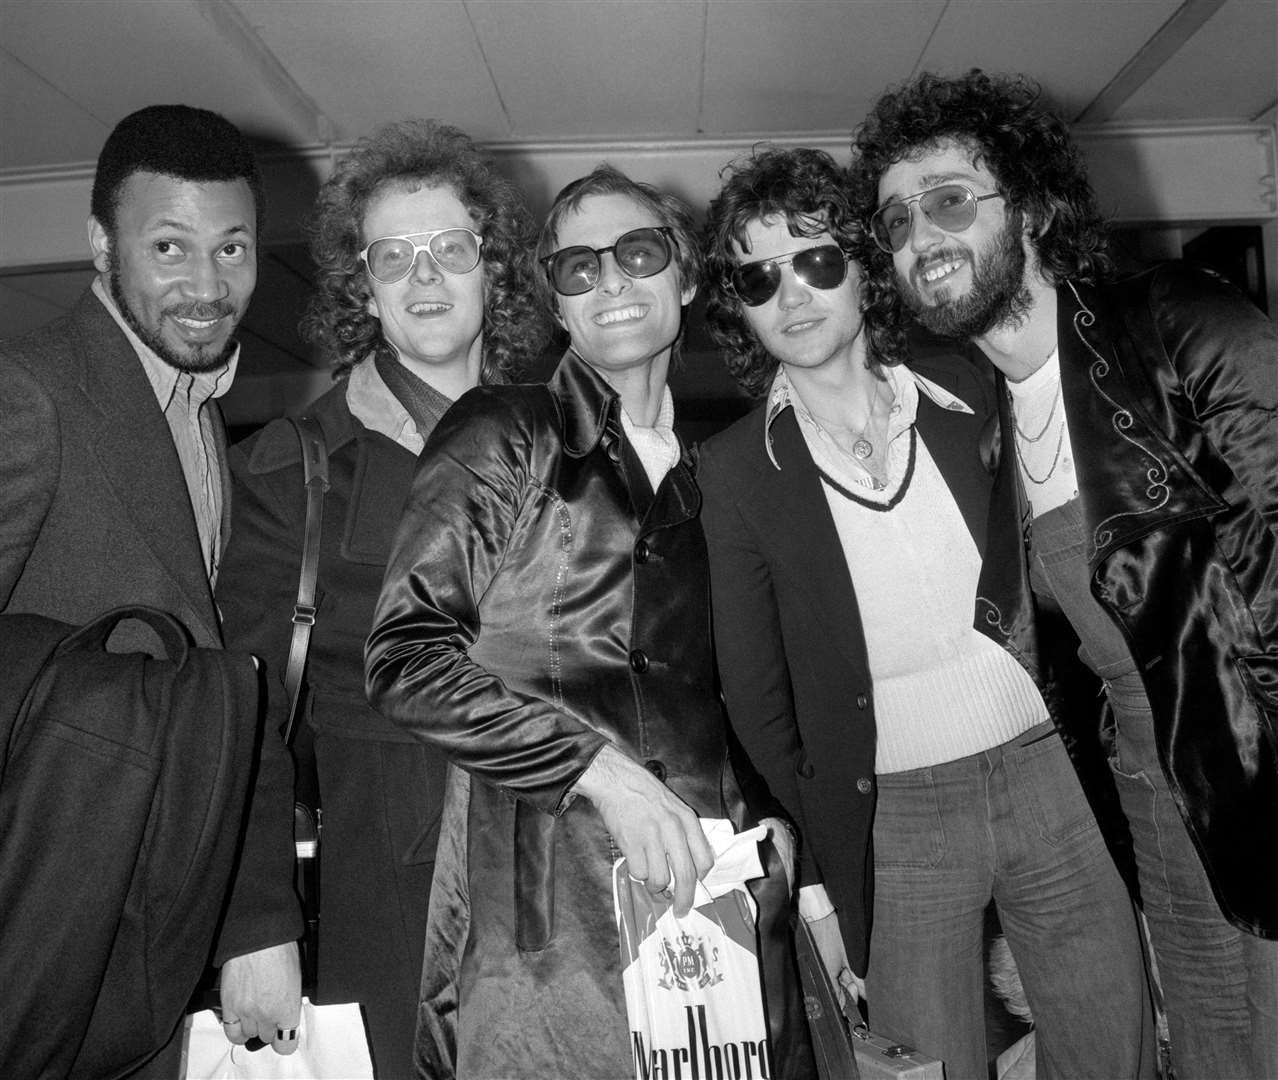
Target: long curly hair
x,y
409,155
806,188
1005,123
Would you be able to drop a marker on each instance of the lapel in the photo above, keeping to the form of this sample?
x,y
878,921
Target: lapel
x,y
1131,477
795,522
134,447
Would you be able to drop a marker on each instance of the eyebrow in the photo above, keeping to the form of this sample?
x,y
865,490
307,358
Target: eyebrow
x,y
182,227
932,180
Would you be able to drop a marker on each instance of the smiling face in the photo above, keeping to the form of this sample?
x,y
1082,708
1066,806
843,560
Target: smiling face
x,y
802,326
181,264
962,284
622,323
433,318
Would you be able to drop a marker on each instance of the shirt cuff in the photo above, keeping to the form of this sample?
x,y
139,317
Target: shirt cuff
x,y
813,903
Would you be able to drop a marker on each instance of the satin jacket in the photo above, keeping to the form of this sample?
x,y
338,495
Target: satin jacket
x,y
540,602
1170,384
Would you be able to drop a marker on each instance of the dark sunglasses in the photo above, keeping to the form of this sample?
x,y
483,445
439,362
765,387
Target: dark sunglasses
x,y
640,253
951,207
822,267
390,258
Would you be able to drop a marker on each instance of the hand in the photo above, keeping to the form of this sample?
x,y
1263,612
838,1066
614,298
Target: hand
x,y
262,997
829,943
783,840
656,831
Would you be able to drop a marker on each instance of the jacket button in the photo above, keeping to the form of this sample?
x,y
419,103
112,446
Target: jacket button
x,y
807,770
862,701
864,785
642,551
638,661
656,768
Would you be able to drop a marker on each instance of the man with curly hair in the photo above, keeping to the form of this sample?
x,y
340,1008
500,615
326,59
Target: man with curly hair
x,y
906,732
424,255
1140,444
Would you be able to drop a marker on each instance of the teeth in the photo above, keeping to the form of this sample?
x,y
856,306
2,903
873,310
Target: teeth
x,y
797,328
620,315
196,324
428,308
941,270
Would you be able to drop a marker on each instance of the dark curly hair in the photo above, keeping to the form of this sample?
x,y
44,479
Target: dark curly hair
x,y
172,140
808,189
1026,146
606,179
409,155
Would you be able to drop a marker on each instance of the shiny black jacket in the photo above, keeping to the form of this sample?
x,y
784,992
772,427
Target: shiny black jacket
x,y
1170,384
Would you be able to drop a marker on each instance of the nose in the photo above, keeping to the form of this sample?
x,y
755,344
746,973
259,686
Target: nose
x,y
792,293
425,268
612,279
923,234
205,282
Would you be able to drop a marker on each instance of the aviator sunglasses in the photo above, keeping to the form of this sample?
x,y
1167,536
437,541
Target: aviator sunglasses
x,y
821,267
640,253
951,207
390,258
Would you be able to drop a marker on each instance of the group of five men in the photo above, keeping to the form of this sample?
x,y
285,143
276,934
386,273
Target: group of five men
x,y
976,458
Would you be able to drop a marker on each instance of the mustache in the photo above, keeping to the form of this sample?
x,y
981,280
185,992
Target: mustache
x,y
218,309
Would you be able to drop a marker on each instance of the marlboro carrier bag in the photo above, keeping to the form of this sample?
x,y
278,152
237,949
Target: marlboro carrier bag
x,y
693,995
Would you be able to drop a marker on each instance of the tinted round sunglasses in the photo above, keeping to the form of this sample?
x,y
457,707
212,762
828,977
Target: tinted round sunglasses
x,y
390,258
951,207
640,253
821,267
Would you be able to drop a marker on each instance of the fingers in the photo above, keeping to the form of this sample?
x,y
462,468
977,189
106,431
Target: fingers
x,y
285,1041
234,1031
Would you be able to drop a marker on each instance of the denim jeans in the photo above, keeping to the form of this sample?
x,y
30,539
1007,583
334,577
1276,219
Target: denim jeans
x,y
1011,824
1219,983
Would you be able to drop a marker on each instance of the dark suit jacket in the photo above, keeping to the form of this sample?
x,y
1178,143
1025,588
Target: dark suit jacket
x,y
94,515
788,634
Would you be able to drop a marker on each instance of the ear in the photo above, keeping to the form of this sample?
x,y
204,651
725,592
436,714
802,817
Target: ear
x,y
100,245
686,294
370,305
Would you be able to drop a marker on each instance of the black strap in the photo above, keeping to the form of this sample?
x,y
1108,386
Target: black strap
x,y
315,479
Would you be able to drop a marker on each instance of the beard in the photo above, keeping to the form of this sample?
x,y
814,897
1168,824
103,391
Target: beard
x,y
998,296
198,358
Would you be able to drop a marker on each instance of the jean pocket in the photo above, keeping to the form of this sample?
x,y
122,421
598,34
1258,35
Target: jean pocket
x,y
908,832
1052,791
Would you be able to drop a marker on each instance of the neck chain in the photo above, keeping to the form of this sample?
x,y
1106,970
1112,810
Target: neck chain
x,y
862,448
1023,440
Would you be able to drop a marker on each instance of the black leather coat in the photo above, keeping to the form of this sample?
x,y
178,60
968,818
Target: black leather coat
x,y
539,603
1170,383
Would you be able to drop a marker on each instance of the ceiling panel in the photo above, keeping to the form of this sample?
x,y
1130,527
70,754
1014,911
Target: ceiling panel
x,y
1227,71
114,57
812,66
371,62
1073,48
570,70
66,132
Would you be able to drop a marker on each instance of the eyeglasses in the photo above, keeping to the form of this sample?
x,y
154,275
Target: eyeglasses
x,y
821,267
390,258
640,253
951,207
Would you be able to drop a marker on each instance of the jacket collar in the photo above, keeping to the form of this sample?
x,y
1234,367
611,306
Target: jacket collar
x,y
585,403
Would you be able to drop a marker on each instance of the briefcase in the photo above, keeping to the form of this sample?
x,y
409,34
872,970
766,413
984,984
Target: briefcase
x,y
878,1058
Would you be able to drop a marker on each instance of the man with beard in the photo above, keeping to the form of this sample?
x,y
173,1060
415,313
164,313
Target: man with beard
x,y
113,466
1139,440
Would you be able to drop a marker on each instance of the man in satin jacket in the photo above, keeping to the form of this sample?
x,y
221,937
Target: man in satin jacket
x,y
545,622
1141,416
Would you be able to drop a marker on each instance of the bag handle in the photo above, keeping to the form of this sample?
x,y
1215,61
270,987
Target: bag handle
x,y
315,479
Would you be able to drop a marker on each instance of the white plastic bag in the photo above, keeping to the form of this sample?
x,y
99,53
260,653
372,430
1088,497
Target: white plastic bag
x,y
693,994
331,1045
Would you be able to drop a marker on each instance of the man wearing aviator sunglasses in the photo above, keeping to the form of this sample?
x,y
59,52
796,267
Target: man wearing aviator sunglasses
x,y
851,584
1138,435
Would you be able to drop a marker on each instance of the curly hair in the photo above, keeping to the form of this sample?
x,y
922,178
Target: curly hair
x,y
606,179
808,189
1004,122
178,141
410,155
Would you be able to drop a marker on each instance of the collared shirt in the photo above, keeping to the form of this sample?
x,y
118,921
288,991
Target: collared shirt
x,y
182,396
373,405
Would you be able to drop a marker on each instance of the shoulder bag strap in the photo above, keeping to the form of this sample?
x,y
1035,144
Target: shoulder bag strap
x,y
315,479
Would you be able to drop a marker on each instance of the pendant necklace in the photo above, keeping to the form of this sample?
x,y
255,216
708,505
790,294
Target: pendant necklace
x,y
1024,440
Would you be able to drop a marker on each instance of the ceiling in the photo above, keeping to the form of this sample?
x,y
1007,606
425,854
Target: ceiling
x,y
302,75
